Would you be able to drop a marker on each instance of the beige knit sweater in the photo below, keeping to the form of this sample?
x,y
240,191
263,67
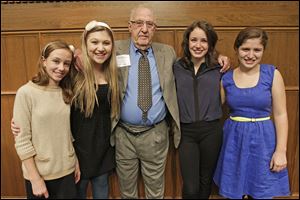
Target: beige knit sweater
x,y
45,134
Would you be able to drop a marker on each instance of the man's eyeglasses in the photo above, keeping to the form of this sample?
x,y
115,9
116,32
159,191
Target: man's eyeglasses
x,y
140,23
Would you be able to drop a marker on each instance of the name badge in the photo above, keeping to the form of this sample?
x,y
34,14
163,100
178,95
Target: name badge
x,y
123,60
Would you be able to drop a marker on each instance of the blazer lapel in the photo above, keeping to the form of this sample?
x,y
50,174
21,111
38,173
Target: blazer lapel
x,y
123,48
160,62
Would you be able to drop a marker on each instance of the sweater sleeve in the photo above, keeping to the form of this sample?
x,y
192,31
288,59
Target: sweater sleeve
x,y
22,113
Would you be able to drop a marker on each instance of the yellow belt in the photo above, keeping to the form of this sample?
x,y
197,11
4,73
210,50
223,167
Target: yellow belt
x,y
246,119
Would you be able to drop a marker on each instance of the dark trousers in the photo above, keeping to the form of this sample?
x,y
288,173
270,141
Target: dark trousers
x,y
62,188
198,154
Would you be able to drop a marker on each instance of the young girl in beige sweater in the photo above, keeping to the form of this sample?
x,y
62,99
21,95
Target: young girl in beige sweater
x,y
42,110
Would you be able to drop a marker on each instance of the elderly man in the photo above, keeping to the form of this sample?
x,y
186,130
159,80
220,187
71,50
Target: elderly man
x,y
149,107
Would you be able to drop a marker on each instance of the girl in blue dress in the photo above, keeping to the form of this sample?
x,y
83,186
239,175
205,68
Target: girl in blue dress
x,y
253,156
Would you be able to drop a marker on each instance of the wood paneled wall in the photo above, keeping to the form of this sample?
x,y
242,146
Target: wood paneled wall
x,y
26,28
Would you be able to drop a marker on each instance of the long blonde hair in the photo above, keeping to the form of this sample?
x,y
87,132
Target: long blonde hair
x,y
85,85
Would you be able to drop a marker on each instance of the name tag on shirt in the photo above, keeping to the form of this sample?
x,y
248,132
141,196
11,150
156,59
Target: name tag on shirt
x,y
123,60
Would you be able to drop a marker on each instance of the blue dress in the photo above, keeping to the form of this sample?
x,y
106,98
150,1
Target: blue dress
x,y
243,165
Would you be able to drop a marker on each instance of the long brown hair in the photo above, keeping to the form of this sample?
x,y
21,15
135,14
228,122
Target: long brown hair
x,y
42,77
212,38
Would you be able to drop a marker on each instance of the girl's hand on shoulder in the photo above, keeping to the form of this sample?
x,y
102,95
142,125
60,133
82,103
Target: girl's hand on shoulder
x,y
224,61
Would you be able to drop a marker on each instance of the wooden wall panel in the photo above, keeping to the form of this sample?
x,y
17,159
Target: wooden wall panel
x,y
75,15
293,139
26,28
20,55
73,38
12,182
281,51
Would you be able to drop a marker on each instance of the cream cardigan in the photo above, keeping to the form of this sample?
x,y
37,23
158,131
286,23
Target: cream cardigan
x,y
45,135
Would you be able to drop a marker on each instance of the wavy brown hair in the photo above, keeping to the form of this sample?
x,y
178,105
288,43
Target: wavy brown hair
x,y
212,38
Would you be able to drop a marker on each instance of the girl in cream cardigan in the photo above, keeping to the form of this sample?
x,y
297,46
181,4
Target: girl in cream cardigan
x,y
44,144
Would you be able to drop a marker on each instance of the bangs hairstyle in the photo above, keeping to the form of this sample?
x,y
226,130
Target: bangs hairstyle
x,y
42,77
85,85
251,33
212,38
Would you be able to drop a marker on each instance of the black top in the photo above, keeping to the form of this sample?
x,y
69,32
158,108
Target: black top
x,y
198,95
95,154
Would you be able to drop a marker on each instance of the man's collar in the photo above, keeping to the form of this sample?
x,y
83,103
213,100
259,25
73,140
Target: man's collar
x,y
136,50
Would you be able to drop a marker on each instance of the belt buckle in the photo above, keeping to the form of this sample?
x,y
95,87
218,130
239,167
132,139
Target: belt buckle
x,y
135,133
253,120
